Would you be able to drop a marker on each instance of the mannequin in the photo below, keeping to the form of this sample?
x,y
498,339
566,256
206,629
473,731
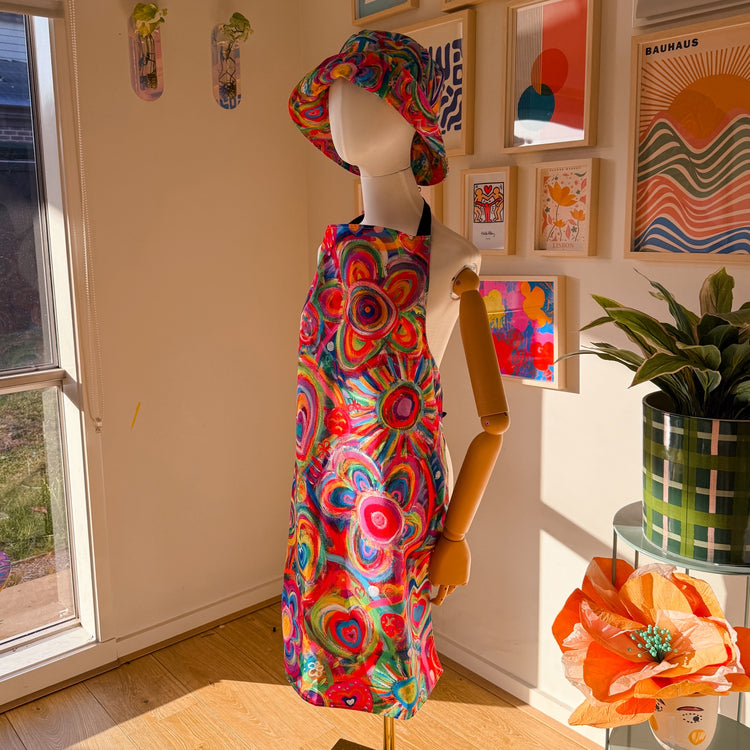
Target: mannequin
x,y
375,536
369,133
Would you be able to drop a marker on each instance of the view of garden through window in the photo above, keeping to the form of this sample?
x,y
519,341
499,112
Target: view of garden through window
x,y
36,589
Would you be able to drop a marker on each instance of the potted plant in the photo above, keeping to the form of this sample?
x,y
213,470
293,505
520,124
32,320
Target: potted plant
x,y
696,474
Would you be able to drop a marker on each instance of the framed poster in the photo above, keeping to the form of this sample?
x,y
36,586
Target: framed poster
x,y
488,209
661,11
551,74
450,39
448,5
527,322
364,12
689,170
565,208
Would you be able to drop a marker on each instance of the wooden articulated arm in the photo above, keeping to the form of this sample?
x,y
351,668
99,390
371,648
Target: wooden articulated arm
x,y
451,560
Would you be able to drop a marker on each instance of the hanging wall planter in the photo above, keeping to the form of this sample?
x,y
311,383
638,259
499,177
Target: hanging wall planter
x,y
146,65
225,58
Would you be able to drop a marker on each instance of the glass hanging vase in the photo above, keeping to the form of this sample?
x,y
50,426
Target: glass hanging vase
x,y
225,69
146,66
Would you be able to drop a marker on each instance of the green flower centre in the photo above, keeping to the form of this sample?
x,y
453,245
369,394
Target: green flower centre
x,y
654,641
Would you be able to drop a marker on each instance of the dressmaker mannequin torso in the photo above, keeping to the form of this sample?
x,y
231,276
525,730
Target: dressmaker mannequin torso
x,y
370,134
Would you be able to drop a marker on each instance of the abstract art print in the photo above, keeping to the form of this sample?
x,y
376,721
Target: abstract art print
x,y
565,208
488,214
689,159
450,40
364,12
551,74
527,321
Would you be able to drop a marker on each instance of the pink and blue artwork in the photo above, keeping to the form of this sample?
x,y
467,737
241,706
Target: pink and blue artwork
x,y
525,317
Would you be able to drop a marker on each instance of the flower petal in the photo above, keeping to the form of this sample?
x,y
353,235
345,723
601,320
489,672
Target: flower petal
x,y
647,591
703,601
742,681
598,586
595,714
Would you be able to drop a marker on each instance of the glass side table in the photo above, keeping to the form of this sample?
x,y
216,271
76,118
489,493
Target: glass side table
x,y
627,527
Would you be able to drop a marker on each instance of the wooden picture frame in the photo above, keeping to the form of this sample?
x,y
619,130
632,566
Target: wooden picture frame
x,y
378,9
565,208
449,5
649,12
488,209
433,195
551,74
450,39
527,322
688,179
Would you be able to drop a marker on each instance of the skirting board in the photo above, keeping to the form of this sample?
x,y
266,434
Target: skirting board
x,y
177,626
534,697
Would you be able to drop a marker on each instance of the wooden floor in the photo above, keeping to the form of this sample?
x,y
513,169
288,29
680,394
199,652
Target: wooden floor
x,y
226,688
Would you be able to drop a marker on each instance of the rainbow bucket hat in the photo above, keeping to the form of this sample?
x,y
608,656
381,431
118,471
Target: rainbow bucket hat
x,y
397,69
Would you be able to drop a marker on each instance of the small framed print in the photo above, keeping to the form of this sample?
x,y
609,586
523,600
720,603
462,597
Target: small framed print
x,y
364,12
565,208
448,5
527,323
488,209
551,74
450,40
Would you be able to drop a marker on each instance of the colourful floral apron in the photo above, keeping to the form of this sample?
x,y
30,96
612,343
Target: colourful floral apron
x,y
369,491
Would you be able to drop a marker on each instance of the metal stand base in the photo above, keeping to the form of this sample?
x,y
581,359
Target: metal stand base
x,y
389,738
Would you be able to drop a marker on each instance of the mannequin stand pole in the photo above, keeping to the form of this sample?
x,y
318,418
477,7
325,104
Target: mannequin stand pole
x,y
389,738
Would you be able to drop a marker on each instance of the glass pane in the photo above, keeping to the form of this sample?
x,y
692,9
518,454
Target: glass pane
x,y
25,333
34,548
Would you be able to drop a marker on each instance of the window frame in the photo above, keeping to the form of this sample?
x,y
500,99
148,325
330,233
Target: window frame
x,y
59,652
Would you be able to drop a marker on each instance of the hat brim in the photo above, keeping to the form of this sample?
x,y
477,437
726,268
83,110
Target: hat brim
x,y
378,73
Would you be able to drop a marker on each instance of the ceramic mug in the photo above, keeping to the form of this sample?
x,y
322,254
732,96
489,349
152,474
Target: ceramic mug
x,y
685,723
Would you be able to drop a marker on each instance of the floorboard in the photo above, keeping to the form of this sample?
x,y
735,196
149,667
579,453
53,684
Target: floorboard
x,y
226,689
69,719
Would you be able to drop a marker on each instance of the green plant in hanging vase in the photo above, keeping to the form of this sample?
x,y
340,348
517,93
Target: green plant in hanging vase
x,y
235,31
147,16
701,361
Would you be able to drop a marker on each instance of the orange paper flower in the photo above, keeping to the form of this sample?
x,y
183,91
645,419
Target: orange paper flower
x,y
654,633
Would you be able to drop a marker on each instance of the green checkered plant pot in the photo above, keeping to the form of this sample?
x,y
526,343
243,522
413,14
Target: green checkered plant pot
x,y
696,484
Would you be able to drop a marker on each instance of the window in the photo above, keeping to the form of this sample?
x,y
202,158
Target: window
x,y
45,589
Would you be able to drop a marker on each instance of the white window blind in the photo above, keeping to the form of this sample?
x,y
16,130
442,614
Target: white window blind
x,y
49,8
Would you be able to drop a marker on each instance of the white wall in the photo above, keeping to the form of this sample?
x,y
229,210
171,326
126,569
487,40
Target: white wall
x,y
571,459
198,221
205,224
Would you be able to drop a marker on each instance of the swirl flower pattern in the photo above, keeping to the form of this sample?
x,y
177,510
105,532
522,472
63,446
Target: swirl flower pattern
x,y
369,489
398,70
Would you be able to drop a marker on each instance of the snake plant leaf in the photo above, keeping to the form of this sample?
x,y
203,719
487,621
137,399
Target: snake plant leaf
x,y
740,318
685,319
611,353
735,361
702,356
664,363
717,333
644,327
597,322
716,293
741,393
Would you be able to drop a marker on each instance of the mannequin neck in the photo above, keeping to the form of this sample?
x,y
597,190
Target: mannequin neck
x,y
392,201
